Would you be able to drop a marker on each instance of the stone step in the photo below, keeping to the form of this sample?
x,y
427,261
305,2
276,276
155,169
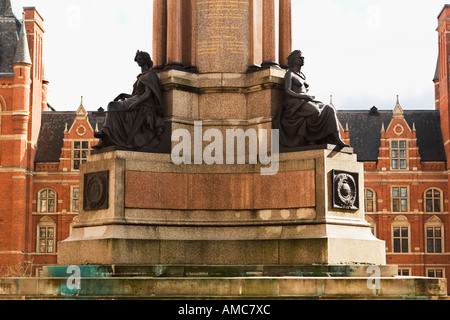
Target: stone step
x,y
224,288
97,271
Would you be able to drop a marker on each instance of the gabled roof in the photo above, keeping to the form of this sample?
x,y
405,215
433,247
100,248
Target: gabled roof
x,y
50,141
429,134
53,123
365,132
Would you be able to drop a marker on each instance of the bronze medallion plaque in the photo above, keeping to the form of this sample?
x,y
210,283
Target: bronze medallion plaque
x,y
345,190
96,191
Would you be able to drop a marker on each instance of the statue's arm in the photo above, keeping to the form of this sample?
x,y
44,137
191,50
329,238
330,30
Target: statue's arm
x,y
147,94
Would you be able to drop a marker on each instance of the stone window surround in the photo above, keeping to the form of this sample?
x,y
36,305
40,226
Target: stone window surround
x,y
39,209
46,222
427,270
425,200
434,222
401,221
72,188
72,153
400,198
374,200
391,148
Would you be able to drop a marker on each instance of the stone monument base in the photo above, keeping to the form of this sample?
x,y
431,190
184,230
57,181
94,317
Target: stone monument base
x,y
156,212
282,252
149,229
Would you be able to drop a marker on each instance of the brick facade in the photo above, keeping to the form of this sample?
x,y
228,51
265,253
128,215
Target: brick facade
x,y
416,178
21,96
27,170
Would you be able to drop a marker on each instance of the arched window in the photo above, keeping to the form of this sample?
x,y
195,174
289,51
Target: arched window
x,y
46,235
400,235
433,200
47,201
434,235
369,198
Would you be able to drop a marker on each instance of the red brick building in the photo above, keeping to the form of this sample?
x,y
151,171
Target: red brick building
x,y
40,151
407,173
22,98
404,154
406,185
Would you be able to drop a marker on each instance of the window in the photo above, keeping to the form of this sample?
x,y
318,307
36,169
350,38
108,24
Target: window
x,y
370,200
435,273
398,155
80,153
400,234
75,199
46,231
434,239
434,235
404,272
47,201
399,199
433,200
401,239
46,239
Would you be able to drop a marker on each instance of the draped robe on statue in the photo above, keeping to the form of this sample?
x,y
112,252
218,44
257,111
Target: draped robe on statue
x,y
302,122
142,126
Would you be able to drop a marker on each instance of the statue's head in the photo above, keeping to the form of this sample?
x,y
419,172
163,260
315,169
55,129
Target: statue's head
x,y
144,56
294,55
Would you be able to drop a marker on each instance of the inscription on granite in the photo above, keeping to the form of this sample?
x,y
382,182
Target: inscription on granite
x,y
345,190
95,195
223,34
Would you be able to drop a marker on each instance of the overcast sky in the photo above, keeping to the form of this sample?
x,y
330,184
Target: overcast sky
x,y
363,52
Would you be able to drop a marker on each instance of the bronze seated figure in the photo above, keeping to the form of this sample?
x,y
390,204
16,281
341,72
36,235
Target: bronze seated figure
x,y
135,121
302,120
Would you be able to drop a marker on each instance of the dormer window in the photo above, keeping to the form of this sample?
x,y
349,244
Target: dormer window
x,y
398,155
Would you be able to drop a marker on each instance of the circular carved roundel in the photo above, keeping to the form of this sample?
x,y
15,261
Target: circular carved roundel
x,y
398,129
81,130
96,191
346,189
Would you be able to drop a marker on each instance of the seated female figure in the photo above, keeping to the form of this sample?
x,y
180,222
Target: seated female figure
x,y
302,120
135,121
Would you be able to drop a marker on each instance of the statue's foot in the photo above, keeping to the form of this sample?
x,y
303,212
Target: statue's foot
x,y
339,142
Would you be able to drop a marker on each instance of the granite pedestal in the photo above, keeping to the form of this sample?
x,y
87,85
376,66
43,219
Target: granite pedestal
x,y
161,213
